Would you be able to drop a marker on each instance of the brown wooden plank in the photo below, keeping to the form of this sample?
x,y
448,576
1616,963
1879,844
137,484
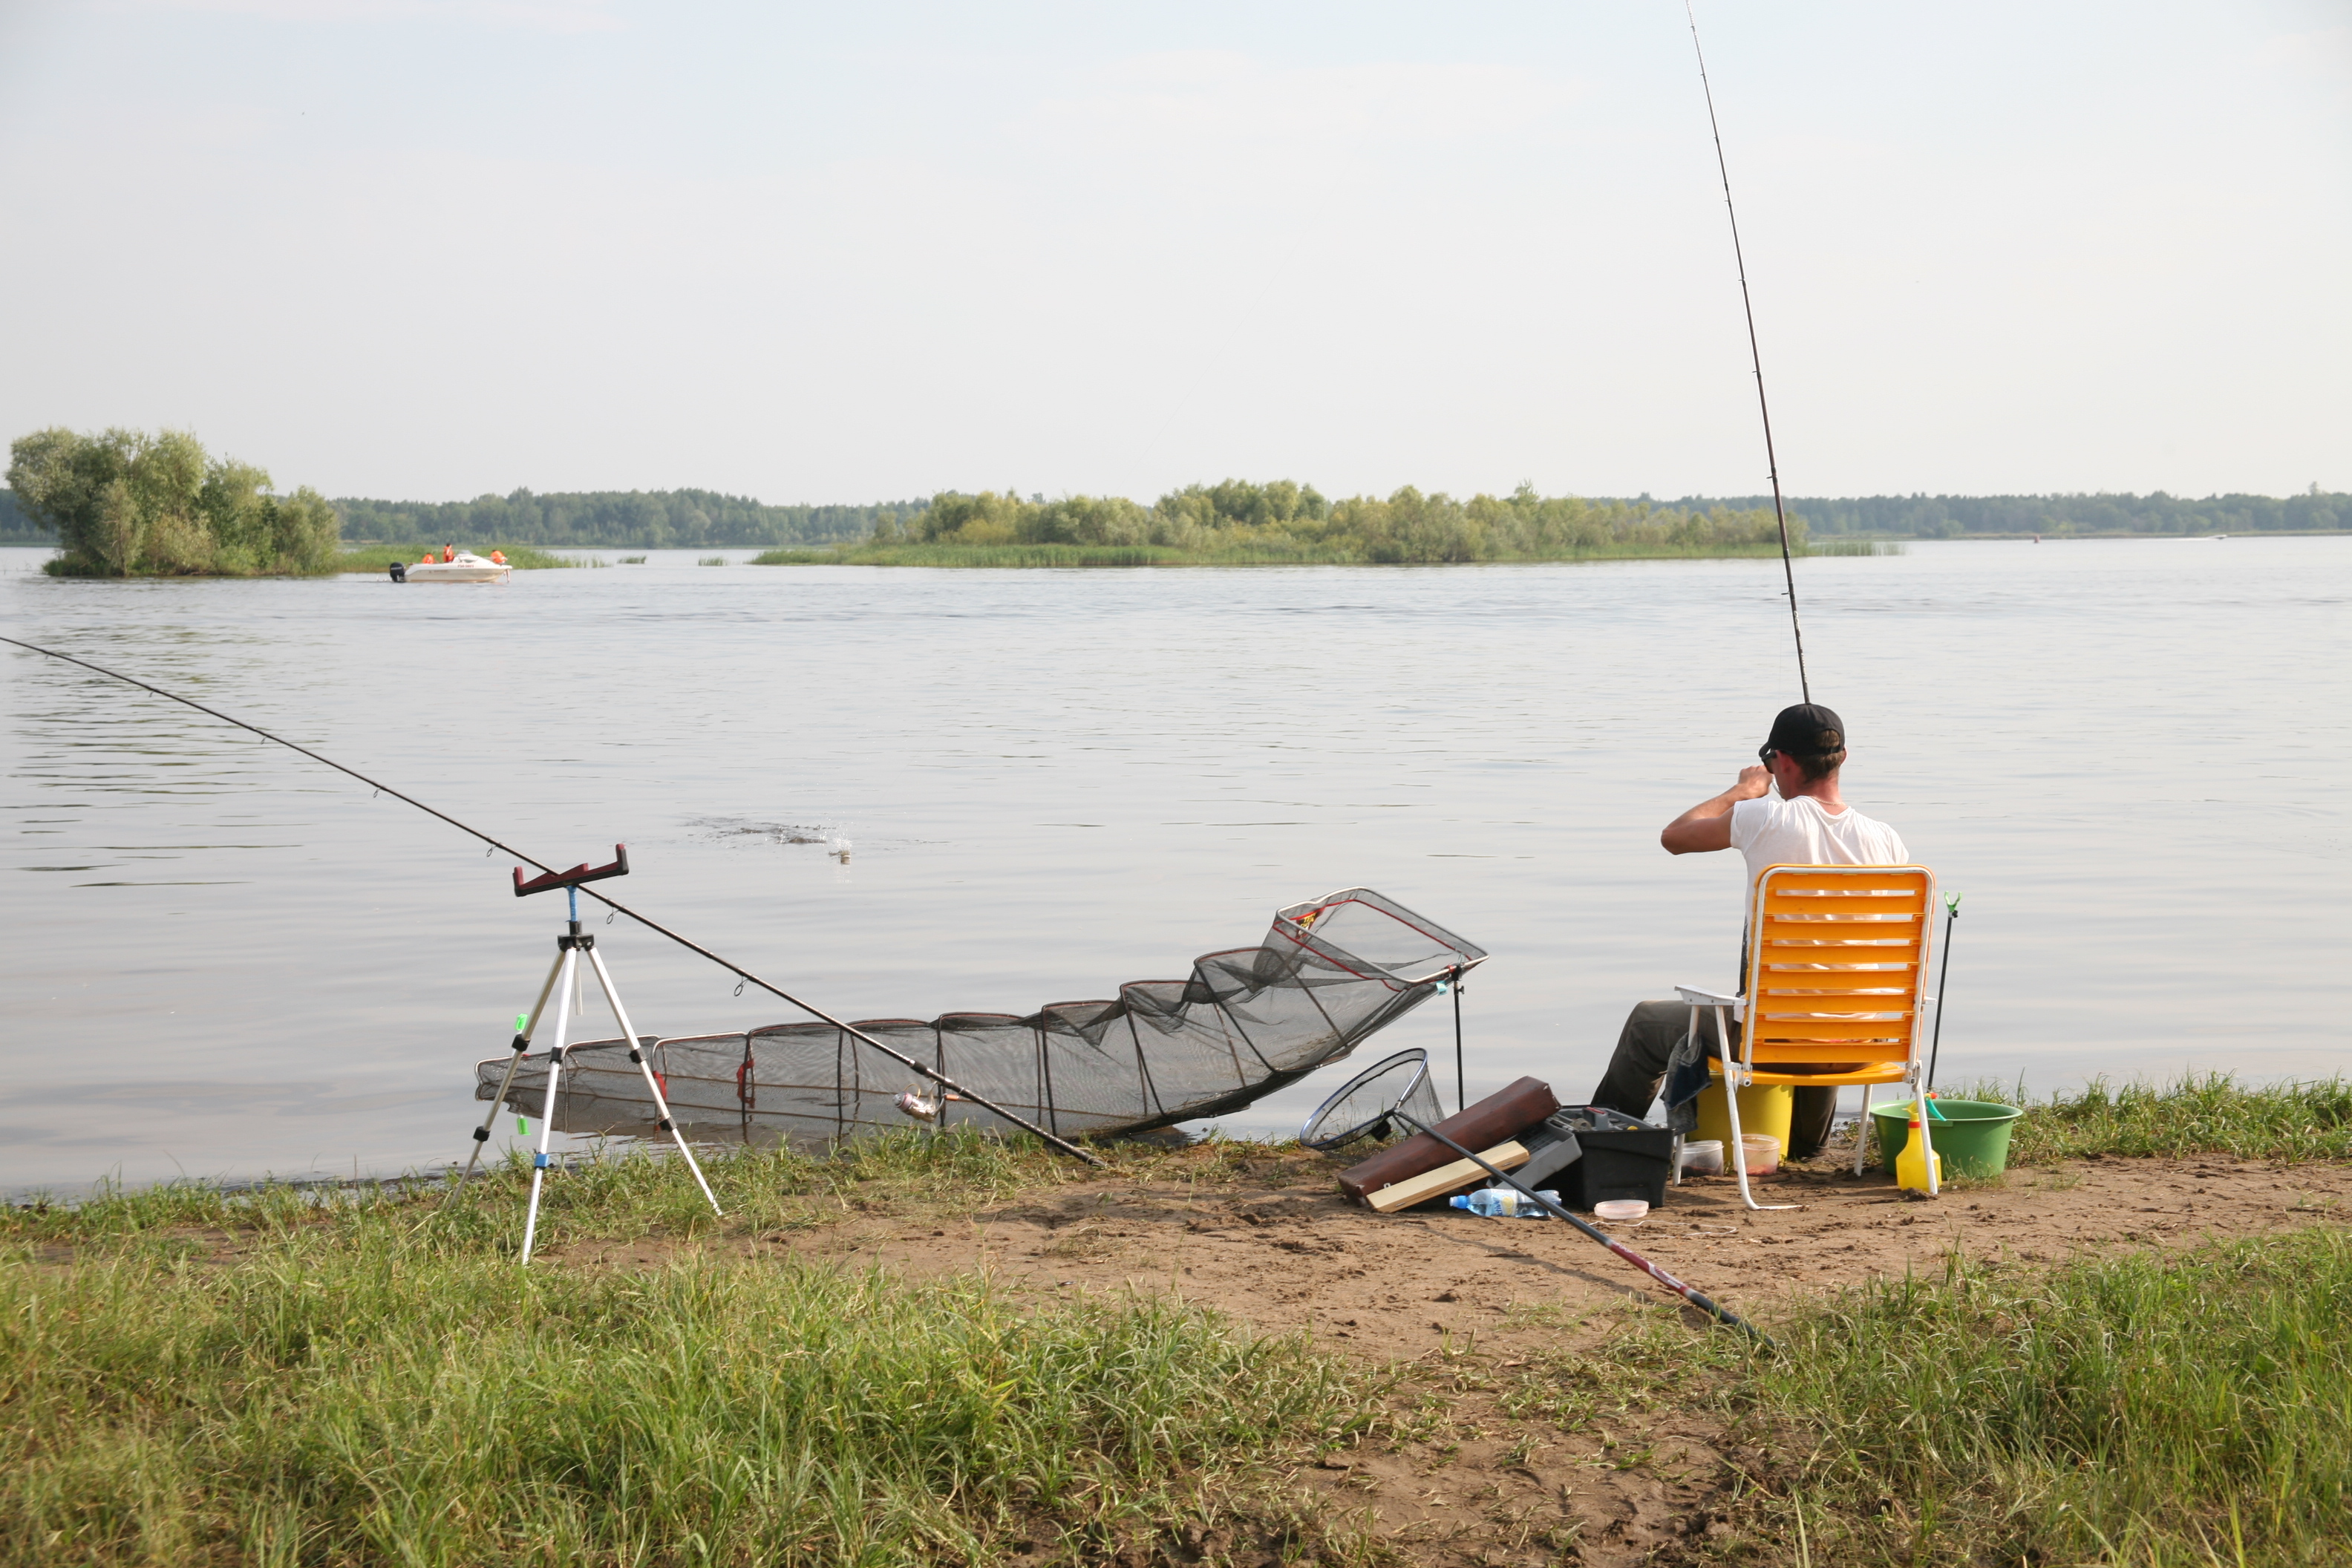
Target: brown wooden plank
x,y
1445,1179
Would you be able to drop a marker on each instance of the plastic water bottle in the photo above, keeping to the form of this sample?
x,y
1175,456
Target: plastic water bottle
x,y
1502,1203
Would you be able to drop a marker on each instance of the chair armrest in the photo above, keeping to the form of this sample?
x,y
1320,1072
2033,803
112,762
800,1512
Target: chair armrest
x,y
1700,996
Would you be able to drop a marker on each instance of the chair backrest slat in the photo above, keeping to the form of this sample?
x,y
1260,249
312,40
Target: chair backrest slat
x,y
1836,954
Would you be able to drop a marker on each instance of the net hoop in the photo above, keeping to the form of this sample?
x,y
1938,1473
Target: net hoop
x,y
1313,1134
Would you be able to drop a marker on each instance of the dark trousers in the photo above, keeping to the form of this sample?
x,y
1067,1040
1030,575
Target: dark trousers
x,y
1637,1067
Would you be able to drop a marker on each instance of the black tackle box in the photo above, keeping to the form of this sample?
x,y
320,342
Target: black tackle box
x,y
1622,1158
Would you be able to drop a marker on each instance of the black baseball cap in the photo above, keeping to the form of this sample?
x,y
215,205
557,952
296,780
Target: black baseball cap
x,y
1807,730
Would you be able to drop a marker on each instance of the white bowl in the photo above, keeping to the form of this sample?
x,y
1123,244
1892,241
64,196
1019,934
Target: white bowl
x,y
1621,1211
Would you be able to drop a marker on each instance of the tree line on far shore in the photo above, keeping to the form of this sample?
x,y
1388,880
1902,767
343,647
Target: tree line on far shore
x,y
126,502
633,519
1958,517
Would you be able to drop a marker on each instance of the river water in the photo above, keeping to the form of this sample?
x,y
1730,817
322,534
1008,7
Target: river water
x,y
2130,757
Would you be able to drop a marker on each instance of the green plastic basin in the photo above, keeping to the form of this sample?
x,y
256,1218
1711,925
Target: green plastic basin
x,y
1973,1138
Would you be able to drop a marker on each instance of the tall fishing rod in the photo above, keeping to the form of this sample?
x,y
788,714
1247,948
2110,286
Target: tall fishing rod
x,y
1755,353
617,907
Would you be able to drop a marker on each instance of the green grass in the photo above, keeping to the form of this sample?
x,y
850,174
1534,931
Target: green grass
x,y
363,1376
2208,1113
379,558
2143,1410
189,1375
618,1191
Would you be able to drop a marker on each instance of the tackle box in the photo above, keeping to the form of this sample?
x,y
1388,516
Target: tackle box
x,y
1622,1158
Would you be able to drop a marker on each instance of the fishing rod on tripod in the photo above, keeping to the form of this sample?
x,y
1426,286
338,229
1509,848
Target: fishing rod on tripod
x,y
1755,353
945,1082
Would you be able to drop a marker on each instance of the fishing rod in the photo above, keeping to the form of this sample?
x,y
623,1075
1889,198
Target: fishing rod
x,y
1943,985
617,907
1690,1293
1755,353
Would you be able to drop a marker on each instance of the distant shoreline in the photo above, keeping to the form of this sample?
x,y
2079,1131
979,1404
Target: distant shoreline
x,y
1003,556
1240,522
370,557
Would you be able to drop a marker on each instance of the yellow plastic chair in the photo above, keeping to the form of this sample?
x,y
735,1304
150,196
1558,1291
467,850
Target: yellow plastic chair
x,y
1836,959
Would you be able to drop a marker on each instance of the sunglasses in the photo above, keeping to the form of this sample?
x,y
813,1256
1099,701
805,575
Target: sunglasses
x,y
1765,754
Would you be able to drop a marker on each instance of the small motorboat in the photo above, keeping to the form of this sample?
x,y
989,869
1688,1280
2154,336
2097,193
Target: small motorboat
x,y
464,566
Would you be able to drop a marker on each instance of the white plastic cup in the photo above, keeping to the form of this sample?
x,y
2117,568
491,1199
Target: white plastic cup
x,y
1759,1153
1703,1156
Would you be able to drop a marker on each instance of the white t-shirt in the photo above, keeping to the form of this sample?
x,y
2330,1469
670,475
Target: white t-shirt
x,y
1770,831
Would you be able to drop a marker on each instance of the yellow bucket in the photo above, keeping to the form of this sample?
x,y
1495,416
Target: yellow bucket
x,y
1763,1108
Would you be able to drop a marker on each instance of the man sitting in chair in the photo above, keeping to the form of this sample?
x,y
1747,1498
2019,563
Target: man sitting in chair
x,y
1805,823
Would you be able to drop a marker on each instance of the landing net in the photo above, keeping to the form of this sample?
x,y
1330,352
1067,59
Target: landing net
x,y
1366,1105
1247,1022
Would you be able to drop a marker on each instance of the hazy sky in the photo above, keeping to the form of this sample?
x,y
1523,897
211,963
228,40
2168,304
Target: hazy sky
x,y
410,249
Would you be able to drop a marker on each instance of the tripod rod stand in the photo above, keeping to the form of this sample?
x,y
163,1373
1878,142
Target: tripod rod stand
x,y
561,979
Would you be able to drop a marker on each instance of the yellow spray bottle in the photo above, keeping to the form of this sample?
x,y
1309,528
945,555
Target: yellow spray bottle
x,y
1918,1167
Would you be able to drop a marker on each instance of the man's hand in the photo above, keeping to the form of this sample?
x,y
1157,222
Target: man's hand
x,y
1707,826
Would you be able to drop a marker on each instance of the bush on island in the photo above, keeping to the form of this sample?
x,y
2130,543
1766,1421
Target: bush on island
x,y
128,504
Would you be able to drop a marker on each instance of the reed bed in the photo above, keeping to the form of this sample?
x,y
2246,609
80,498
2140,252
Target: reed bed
x,y
1285,553
991,555
1818,545
522,557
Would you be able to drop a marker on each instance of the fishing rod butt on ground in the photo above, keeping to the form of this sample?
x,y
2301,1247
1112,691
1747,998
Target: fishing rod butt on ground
x,y
1689,1293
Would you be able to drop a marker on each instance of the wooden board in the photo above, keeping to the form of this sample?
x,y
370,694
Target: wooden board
x,y
1445,1178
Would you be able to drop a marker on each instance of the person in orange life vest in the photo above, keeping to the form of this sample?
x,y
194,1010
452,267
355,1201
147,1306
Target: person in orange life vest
x,y
448,552
1805,822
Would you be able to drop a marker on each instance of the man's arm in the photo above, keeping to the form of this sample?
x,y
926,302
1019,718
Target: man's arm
x,y
1708,824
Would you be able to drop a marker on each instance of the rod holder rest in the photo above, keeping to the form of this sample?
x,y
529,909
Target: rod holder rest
x,y
549,881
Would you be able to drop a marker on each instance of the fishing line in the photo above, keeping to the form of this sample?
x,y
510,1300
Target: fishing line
x,y
1755,353
613,904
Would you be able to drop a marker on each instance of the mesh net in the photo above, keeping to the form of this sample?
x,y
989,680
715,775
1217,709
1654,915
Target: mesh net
x,y
1362,1107
1247,1022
